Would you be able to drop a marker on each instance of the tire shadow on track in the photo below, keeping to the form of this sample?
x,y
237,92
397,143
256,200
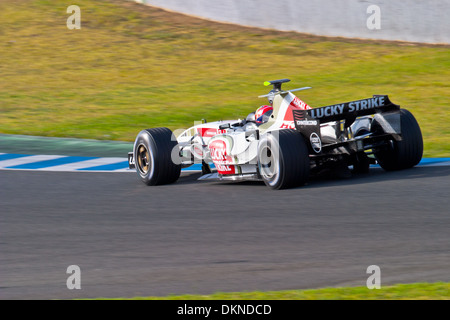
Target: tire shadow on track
x,y
375,175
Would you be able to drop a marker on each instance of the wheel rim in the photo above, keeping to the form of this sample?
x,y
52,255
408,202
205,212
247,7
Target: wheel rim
x,y
143,159
268,164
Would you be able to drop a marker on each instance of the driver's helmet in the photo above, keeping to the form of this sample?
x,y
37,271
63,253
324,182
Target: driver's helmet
x,y
263,114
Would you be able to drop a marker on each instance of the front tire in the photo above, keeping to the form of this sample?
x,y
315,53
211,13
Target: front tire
x,y
153,157
283,159
403,154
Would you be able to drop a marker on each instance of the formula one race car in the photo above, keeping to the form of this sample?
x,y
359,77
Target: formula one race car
x,y
284,143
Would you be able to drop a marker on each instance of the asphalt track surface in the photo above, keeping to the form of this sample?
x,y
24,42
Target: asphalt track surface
x,y
204,237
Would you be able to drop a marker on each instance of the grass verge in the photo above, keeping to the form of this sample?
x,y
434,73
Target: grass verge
x,y
132,67
418,291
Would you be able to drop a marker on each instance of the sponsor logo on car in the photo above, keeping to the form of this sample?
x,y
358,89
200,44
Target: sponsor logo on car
x,y
299,104
355,106
295,105
210,132
316,143
307,122
287,125
218,151
366,104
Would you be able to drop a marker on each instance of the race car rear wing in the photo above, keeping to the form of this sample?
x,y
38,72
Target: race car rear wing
x,y
354,109
308,122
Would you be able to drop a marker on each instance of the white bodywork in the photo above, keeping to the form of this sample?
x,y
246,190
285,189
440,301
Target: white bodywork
x,y
233,145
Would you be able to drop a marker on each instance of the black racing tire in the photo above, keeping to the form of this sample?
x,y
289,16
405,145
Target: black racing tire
x,y
153,157
361,162
403,154
283,159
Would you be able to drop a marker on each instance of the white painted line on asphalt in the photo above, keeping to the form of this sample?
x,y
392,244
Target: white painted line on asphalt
x,y
125,170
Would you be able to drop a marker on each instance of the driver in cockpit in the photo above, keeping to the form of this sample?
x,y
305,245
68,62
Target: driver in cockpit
x,y
263,114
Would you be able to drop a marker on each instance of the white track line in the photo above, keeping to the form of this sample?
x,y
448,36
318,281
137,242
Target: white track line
x,y
125,170
84,164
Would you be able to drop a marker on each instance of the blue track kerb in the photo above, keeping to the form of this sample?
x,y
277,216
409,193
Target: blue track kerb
x,y
11,156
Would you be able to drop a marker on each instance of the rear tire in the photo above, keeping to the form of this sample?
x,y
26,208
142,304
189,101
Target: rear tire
x,y
361,162
403,154
283,159
153,157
